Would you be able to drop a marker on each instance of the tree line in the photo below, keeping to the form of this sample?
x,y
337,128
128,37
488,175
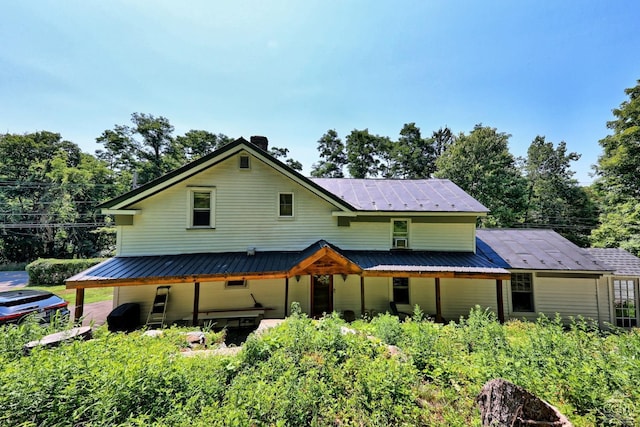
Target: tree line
x,y
49,188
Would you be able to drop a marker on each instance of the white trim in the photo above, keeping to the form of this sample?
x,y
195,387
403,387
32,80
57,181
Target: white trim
x,y
212,207
203,166
395,237
240,157
293,205
407,213
121,211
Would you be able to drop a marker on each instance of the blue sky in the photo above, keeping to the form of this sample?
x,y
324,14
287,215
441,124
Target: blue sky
x,y
291,70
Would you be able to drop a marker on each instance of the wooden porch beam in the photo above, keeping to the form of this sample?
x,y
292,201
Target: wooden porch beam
x,y
438,302
434,274
362,295
500,300
173,280
196,303
79,305
286,296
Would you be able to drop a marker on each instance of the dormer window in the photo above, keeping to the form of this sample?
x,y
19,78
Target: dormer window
x,y
201,208
400,233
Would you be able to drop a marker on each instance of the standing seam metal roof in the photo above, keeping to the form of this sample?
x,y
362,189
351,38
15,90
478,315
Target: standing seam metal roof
x,y
407,195
239,263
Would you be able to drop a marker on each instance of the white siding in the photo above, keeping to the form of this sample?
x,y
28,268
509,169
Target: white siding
x,y
376,294
443,236
346,294
213,295
246,216
566,296
459,296
422,292
300,292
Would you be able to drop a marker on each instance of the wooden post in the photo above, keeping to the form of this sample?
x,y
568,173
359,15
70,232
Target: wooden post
x,y
361,295
286,296
196,303
79,304
438,303
500,300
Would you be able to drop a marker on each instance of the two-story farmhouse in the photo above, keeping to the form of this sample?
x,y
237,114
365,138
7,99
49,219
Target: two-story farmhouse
x,y
238,229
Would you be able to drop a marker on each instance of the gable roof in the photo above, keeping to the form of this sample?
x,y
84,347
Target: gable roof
x,y
211,159
406,195
537,249
349,195
622,262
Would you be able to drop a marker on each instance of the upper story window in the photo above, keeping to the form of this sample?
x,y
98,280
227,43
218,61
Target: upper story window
x,y
522,292
285,205
400,233
201,208
245,162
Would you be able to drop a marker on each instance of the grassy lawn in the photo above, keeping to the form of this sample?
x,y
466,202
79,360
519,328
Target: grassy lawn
x,y
90,295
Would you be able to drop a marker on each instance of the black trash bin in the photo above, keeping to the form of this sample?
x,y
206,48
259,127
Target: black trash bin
x,y
125,317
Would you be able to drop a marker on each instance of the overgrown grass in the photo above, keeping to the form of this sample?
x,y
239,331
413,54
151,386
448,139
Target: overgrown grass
x,y
309,372
90,294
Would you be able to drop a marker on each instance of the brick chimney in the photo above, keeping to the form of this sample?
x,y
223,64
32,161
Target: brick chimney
x,y
260,141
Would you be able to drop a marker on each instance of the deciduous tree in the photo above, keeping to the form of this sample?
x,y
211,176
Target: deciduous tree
x,y
617,184
481,164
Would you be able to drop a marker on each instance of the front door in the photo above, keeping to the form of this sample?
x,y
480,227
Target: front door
x,y
321,294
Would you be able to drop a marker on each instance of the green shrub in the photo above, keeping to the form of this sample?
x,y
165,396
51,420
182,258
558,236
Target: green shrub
x,y
53,272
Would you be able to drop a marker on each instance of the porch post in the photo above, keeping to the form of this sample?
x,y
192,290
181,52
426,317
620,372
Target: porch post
x,y
500,300
79,304
361,295
438,303
196,303
286,296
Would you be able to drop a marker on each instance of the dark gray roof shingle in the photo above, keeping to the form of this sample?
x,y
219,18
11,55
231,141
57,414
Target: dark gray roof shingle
x,y
408,195
538,249
622,262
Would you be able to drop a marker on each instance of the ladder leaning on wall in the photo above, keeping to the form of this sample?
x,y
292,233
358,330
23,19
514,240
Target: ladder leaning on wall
x,y
158,311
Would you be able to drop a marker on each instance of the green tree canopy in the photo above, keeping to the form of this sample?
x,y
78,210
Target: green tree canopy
x,y
480,163
554,198
363,153
413,156
332,156
618,184
48,196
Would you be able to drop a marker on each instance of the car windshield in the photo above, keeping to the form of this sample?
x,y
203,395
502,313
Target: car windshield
x,y
27,300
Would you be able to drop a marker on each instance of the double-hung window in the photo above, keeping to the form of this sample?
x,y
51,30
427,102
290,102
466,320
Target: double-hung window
x,y
522,292
285,205
201,208
400,233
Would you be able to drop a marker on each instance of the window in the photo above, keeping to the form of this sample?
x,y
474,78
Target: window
x,y
236,284
400,233
401,290
244,162
285,205
624,302
201,201
522,292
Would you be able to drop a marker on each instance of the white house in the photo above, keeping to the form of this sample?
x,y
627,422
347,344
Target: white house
x,y
238,228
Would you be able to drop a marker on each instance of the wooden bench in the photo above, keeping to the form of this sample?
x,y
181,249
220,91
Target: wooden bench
x,y
242,315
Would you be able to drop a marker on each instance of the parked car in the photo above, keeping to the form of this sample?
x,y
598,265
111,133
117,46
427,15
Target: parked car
x,y
16,305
